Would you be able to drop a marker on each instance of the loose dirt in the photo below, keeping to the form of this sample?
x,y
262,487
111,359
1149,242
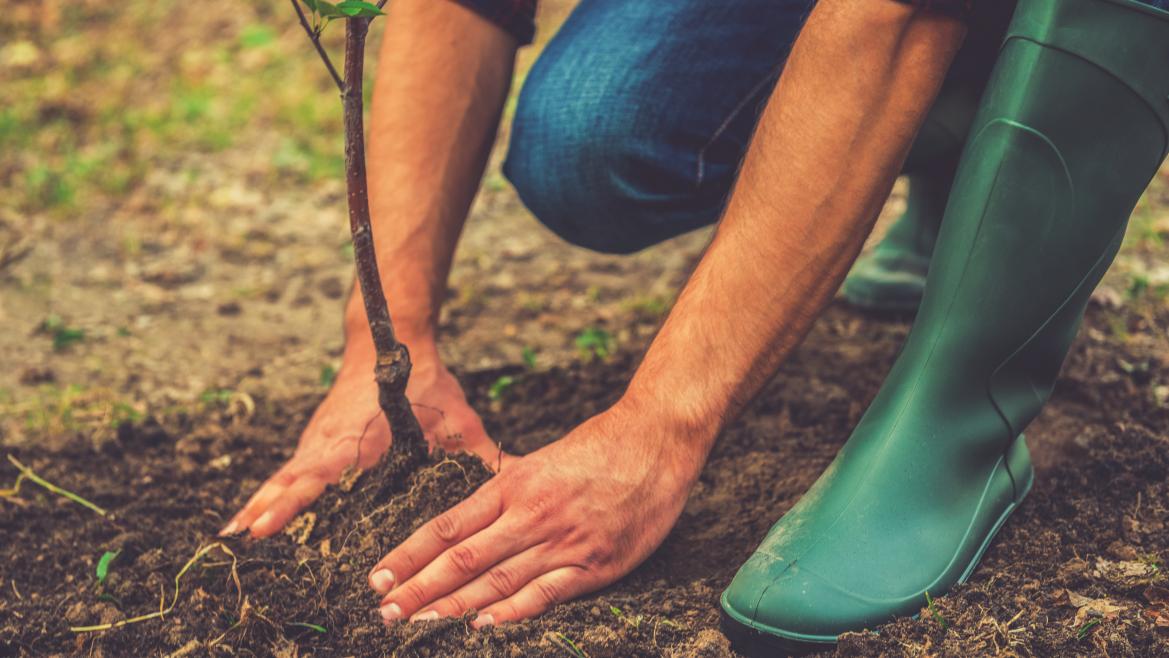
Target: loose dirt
x,y
1076,571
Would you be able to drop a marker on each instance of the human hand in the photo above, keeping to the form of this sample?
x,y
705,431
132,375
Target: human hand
x,y
348,429
565,520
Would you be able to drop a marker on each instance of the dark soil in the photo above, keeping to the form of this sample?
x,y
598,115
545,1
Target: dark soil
x,y
1076,571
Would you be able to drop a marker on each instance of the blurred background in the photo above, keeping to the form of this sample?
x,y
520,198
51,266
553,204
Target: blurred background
x,y
173,232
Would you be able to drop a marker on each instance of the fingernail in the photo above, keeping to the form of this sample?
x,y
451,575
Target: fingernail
x,y
382,581
391,612
229,529
262,522
483,621
429,615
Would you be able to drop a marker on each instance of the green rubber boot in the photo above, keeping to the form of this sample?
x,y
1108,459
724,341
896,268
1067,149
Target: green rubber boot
x,y
1073,125
890,278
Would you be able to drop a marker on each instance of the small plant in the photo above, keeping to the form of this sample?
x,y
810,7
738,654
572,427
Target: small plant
x,y
216,396
500,387
63,335
164,611
594,343
1087,628
103,565
632,621
315,627
569,645
27,473
529,357
935,614
328,376
1138,286
392,369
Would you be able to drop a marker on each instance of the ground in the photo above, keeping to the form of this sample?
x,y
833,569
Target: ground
x,y
173,261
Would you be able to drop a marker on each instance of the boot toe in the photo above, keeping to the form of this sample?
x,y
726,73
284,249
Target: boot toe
x,y
798,604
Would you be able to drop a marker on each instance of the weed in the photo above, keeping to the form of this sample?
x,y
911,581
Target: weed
x,y
632,621
27,473
569,645
103,565
1087,628
500,387
529,357
216,396
594,343
648,307
328,376
316,627
934,613
1138,286
63,336
164,611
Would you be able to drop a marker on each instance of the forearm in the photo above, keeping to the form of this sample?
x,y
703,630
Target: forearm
x,y
442,79
825,154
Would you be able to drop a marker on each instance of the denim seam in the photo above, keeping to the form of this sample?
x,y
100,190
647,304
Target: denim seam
x,y
770,77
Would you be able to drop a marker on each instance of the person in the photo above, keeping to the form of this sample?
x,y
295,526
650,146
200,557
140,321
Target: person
x,y
631,129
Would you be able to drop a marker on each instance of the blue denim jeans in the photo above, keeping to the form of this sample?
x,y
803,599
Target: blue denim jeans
x,y
632,125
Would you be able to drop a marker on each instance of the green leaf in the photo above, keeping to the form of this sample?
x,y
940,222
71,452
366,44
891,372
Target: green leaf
x,y
529,357
316,627
358,8
328,9
311,4
594,342
499,387
103,565
328,376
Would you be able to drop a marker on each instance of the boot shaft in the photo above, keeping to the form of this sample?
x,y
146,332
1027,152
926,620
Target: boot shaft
x,y
1072,127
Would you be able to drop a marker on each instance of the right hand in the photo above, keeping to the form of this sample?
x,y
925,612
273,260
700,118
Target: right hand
x,y
350,419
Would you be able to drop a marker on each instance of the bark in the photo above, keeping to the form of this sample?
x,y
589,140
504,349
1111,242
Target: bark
x,y
393,359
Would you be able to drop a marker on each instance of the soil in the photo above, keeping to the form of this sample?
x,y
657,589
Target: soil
x,y
165,338
1075,571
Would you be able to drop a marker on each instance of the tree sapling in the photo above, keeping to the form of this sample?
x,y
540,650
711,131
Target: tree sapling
x,y
393,359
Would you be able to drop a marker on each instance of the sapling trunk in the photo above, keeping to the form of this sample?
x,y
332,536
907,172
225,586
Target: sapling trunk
x,y
392,369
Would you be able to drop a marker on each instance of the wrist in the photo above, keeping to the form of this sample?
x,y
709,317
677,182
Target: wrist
x,y
676,445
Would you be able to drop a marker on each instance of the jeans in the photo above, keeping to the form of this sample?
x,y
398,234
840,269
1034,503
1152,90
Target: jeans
x,y
631,126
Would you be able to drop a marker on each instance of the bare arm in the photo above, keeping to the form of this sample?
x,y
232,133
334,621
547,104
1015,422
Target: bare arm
x,y
582,512
442,79
828,148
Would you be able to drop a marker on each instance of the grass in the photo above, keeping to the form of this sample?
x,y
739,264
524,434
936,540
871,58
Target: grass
x,y
63,336
98,98
569,645
594,343
27,473
164,611
500,387
304,624
935,614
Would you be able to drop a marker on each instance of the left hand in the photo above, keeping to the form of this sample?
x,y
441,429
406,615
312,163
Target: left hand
x,y
565,520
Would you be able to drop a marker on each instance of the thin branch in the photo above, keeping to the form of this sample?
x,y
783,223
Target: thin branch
x,y
316,39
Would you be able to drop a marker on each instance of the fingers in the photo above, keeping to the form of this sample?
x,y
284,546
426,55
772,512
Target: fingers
x,y
457,566
496,584
435,537
260,501
537,596
297,496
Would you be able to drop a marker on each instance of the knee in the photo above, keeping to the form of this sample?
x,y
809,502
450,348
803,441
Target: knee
x,y
582,166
